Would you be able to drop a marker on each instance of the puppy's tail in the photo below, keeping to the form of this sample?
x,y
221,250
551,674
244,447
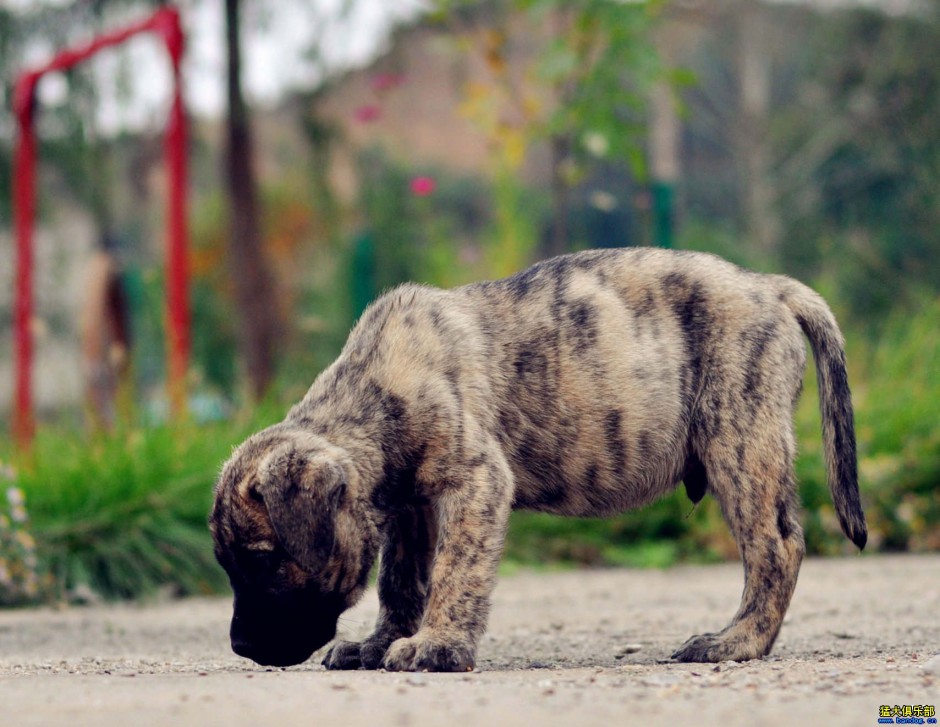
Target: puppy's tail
x,y
835,403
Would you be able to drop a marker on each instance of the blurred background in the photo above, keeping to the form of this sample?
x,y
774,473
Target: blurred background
x,y
339,147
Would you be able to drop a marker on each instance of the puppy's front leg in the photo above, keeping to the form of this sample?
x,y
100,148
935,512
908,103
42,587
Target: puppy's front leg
x,y
410,539
473,514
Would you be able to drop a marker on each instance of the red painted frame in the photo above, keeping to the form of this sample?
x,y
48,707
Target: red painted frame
x,y
165,22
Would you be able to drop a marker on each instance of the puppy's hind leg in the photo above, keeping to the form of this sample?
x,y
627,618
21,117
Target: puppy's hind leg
x,y
755,486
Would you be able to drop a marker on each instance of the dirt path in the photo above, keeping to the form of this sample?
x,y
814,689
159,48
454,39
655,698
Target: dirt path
x,y
572,648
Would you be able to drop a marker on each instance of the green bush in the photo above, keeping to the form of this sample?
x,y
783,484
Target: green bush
x,y
124,514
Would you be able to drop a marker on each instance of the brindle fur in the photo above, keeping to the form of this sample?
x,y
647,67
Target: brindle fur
x,y
587,385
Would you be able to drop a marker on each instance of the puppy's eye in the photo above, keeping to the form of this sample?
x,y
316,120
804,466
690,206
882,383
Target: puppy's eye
x,y
265,560
255,495
258,561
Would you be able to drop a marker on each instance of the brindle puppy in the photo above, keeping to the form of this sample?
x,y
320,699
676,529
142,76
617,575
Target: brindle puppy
x,y
586,385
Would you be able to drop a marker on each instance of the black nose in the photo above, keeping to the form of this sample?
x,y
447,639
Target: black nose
x,y
241,647
269,648
270,656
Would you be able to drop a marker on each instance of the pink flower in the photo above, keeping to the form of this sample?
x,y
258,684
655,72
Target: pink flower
x,y
423,186
368,113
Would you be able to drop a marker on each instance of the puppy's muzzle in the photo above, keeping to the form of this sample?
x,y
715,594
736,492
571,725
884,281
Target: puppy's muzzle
x,y
281,631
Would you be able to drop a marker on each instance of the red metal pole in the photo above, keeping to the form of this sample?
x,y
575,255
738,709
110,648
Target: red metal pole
x,y
166,23
177,270
24,208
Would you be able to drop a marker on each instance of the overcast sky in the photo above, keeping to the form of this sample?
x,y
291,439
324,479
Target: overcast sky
x,y
275,43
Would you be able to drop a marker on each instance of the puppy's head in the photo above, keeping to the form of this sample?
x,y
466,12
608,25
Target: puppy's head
x,y
295,540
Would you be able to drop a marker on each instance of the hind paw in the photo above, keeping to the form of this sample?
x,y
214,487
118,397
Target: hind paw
x,y
724,646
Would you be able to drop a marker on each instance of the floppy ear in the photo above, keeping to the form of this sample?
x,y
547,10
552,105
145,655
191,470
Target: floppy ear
x,y
303,491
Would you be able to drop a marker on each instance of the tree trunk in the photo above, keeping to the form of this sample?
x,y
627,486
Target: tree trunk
x,y
762,225
561,193
255,300
664,163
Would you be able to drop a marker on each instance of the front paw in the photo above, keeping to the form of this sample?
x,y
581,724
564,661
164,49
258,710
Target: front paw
x,y
353,655
700,648
343,655
372,651
424,653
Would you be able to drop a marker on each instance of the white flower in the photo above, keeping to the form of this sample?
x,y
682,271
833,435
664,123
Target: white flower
x,y
16,497
596,143
603,201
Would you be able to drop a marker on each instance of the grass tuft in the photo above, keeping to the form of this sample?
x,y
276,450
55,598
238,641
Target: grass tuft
x,y
124,513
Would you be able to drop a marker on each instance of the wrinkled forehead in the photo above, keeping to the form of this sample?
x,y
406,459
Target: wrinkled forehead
x,y
248,455
235,516
245,457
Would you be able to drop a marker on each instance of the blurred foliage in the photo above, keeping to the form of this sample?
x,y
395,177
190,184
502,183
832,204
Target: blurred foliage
x,y
875,189
580,90
588,81
853,152
463,229
601,65
385,202
124,513
855,174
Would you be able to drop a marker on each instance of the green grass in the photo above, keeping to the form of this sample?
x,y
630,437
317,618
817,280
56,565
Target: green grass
x,y
125,513
656,536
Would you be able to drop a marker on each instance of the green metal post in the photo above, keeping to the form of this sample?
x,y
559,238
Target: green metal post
x,y
663,194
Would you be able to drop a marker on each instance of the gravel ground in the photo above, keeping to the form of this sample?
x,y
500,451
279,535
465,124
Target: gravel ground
x,y
567,648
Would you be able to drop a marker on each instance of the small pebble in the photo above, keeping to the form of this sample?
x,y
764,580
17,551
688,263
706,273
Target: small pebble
x,y
932,666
